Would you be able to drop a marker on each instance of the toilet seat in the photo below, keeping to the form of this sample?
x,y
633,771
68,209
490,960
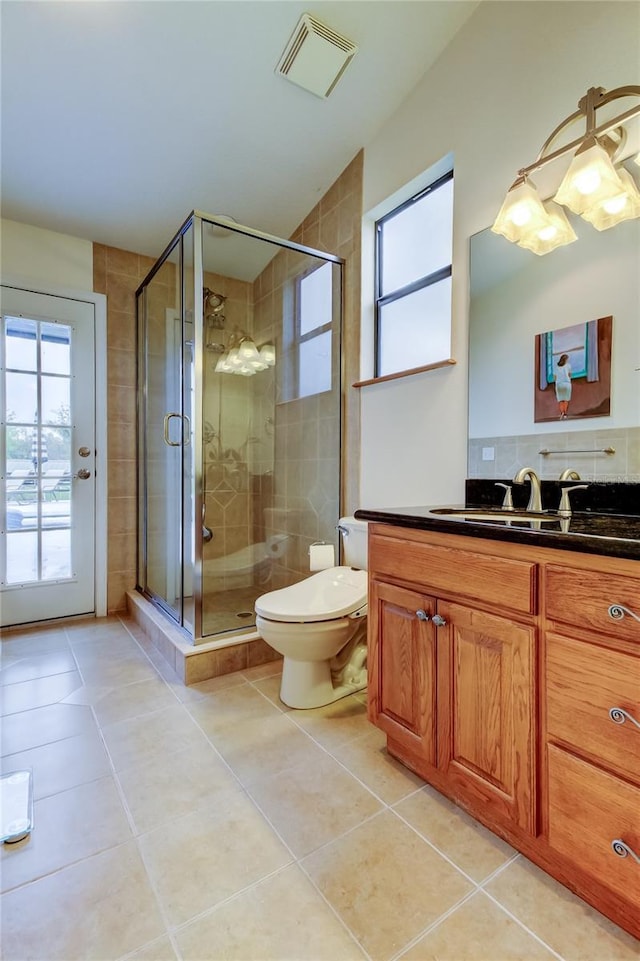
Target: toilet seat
x,y
324,596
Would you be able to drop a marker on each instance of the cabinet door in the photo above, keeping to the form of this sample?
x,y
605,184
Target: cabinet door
x,y
402,667
486,711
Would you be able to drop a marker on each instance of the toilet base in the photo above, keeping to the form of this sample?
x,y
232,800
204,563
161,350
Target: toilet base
x,y
307,684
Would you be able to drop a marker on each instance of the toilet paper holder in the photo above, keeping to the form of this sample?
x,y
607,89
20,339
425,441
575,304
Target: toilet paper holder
x,y
321,556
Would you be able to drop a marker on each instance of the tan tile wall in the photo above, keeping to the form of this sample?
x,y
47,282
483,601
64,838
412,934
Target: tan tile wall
x,y
117,273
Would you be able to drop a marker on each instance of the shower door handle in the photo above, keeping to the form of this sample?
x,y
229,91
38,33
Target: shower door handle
x,y
186,430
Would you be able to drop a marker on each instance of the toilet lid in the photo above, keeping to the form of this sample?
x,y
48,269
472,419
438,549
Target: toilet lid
x,y
328,594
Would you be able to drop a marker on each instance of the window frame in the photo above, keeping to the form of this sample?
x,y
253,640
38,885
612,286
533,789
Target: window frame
x,y
427,280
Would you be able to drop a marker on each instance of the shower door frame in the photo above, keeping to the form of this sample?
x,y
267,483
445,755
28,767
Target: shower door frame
x,y
196,219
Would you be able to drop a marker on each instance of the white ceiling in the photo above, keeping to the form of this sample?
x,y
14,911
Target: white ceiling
x,y
119,118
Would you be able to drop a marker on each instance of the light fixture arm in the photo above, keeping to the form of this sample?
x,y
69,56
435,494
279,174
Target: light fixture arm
x,y
595,98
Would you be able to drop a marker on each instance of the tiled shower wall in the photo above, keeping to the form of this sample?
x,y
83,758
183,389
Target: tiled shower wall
x,y
523,450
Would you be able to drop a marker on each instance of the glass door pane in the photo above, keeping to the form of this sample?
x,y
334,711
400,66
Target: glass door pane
x,y
162,431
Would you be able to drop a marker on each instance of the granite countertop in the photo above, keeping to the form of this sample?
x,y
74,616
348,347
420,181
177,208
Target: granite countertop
x,y
616,535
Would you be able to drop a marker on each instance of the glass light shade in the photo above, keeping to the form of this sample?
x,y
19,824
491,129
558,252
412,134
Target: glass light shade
x,y
248,350
590,180
556,233
234,359
222,367
625,206
268,355
258,364
521,212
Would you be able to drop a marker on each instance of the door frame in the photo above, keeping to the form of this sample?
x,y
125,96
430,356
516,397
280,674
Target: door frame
x,y
99,302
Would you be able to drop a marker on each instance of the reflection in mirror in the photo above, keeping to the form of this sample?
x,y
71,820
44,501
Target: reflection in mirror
x,y
516,295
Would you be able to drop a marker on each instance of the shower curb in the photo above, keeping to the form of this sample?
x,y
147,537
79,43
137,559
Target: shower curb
x,y
197,662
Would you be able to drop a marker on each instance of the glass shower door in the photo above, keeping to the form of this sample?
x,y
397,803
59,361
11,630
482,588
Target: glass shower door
x,y
164,432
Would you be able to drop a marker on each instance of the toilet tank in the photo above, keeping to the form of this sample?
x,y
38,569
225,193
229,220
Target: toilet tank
x,y
354,535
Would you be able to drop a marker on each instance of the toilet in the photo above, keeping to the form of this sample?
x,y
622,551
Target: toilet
x,y
319,626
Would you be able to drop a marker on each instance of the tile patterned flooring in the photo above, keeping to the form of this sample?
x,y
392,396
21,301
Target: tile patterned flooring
x,y
212,822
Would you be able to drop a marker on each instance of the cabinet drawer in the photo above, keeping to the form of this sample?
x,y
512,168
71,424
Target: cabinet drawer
x,y
495,580
588,810
584,683
583,598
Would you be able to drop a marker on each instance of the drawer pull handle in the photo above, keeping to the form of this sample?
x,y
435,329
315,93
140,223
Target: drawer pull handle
x,y
622,850
438,620
618,715
422,615
617,611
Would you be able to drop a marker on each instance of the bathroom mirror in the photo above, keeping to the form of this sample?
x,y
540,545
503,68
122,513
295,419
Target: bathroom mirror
x,y
514,295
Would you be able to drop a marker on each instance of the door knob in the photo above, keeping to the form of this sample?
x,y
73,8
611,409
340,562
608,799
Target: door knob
x,y
438,620
83,474
84,451
422,615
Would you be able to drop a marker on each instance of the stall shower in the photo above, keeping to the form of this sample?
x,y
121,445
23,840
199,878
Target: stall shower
x,y
239,407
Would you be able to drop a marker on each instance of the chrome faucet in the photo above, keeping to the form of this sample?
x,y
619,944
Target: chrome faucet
x,y
535,498
569,474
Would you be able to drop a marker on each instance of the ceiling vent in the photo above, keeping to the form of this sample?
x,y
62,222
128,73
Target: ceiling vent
x,y
315,57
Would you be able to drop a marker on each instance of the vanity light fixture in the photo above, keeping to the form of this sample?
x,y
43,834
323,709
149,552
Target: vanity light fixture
x,y
593,187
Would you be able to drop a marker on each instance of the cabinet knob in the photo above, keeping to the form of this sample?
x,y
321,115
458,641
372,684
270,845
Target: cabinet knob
x,y
617,611
422,615
618,715
438,620
623,850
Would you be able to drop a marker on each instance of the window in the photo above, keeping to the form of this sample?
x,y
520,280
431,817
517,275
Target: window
x,y
414,246
313,314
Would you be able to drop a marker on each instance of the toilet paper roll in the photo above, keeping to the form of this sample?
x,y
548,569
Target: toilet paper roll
x,y
321,556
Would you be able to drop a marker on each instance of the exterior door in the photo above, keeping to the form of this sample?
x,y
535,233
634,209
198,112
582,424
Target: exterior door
x,y
47,456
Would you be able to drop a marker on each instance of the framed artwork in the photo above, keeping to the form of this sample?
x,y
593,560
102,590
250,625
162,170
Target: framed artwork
x,y
573,371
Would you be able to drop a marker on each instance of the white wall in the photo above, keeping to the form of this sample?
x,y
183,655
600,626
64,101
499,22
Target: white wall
x,y
38,257
513,72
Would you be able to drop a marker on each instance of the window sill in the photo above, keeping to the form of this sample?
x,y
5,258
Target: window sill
x,y
405,373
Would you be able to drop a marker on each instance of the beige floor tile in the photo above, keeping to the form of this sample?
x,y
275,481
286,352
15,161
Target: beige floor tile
x,y
260,671
114,666
161,950
40,692
95,630
172,786
138,740
270,687
99,909
335,723
386,883
30,643
38,665
475,850
563,921
313,803
367,758
133,700
223,710
87,694
282,919
44,725
62,765
273,746
478,931
68,827
210,855
214,684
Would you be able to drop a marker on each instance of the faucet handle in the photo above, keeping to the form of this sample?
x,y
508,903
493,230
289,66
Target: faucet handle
x,y
565,503
507,503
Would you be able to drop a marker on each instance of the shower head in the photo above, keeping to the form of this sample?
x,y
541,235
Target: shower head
x,y
213,302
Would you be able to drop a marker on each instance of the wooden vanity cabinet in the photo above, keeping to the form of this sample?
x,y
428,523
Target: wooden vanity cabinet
x,y
508,677
592,720
450,683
